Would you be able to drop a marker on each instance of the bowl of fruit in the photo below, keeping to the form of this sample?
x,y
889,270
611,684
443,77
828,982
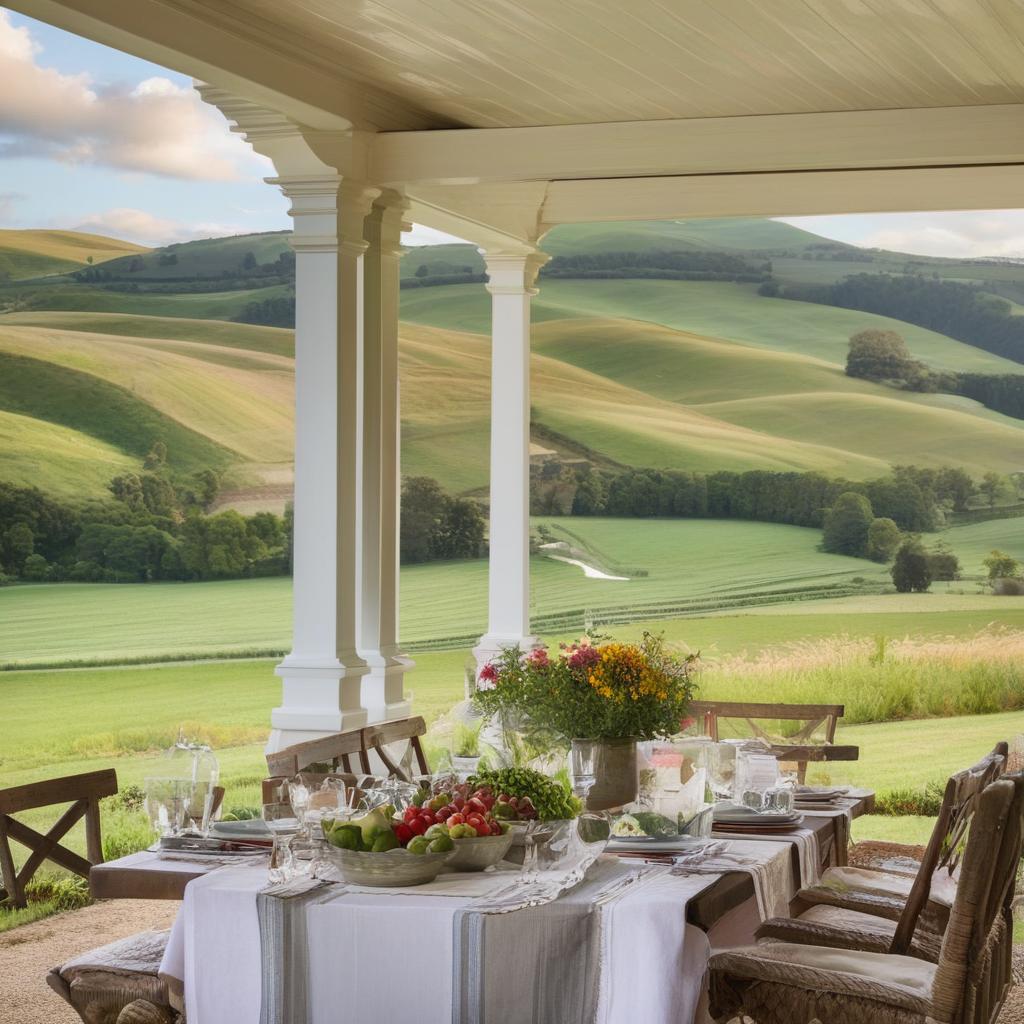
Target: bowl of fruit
x,y
481,839
377,851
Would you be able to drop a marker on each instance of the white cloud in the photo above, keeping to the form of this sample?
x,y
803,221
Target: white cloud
x,y
960,233
8,200
139,226
153,127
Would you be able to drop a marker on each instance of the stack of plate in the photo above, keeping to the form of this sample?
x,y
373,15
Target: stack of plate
x,y
808,799
740,819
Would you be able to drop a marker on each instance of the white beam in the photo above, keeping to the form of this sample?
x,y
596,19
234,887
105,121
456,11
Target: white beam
x,y
778,195
937,136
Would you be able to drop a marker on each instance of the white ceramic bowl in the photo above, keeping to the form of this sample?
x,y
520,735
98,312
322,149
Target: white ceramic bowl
x,y
386,870
479,853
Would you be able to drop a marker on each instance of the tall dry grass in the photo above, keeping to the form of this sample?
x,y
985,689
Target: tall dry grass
x,y
880,679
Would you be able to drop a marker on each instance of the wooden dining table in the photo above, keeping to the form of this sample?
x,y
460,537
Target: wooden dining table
x,y
151,876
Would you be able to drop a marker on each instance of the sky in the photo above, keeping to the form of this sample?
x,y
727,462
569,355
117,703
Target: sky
x,y
92,139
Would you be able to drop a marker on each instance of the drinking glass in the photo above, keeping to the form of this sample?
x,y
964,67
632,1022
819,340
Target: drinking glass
x,y
199,806
329,801
298,797
280,819
722,771
583,766
165,805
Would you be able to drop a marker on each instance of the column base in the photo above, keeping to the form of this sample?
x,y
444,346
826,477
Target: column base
x,y
383,687
492,644
318,700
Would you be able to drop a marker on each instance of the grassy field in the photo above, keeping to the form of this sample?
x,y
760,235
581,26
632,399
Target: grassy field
x,y
25,254
638,393
701,565
716,309
34,453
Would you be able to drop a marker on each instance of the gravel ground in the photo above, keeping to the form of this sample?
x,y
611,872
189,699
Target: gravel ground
x,y
28,952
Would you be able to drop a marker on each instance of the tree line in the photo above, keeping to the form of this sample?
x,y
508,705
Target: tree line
x,y
690,265
958,310
156,528
883,357
913,497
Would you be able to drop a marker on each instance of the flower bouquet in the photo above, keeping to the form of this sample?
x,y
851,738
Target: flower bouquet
x,y
601,694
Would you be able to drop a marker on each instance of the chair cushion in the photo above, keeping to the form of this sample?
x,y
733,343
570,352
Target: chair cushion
x,y
137,954
900,980
99,984
880,883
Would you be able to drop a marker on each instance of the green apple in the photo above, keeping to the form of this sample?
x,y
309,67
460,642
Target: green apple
x,y
346,837
440,844
385,841
418,844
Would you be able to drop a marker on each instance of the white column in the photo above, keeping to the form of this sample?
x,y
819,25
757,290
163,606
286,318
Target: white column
x,y
383,686
511,278
321,676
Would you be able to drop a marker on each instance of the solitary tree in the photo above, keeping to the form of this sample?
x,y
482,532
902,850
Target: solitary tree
x,y
1000,565
878,355
422,270
943,563
910,571
883,539
847,524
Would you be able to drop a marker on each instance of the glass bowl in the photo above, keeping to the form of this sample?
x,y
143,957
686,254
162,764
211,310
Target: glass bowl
x,y
384,870
480,853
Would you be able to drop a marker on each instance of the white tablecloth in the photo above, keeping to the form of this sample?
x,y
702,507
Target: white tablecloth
x,y
387,958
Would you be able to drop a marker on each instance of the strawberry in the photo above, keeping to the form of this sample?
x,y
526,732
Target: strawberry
x,y
403,833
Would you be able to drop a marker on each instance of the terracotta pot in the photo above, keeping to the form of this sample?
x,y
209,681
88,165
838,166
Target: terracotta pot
x,y
615,772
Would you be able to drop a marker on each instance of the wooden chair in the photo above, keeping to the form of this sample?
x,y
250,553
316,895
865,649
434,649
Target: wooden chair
x,y
795,744
874,911
340,749
905,858
84,793
784,982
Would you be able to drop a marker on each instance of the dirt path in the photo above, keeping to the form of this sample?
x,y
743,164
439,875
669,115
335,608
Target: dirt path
x,y
28,952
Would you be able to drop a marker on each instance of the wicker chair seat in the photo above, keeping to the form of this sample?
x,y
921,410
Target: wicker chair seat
x,y
841,928
881,894
100,984
787,983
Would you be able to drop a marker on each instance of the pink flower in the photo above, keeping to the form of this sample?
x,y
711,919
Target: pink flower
x,y
538,658
583,656
488,677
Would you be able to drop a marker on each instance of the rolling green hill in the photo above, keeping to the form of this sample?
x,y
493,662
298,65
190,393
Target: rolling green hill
x,y
25,254
58,460
714,308
208,257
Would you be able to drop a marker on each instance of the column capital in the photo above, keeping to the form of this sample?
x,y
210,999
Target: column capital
x,y
385,223
327,211
513,273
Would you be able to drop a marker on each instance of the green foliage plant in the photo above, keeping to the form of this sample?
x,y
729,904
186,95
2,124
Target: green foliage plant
x,y
911,571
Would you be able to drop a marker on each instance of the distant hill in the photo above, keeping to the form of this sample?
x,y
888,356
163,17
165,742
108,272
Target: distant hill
x,y
32,253
687,374
205,258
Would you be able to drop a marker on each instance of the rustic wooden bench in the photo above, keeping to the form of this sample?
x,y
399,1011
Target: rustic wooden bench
x,y
84,793
797,745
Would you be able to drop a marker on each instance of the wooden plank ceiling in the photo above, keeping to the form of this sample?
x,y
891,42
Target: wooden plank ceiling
x,y
492,63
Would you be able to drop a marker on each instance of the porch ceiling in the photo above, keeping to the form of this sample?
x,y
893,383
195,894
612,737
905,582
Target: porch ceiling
x,y
605,110
512,63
